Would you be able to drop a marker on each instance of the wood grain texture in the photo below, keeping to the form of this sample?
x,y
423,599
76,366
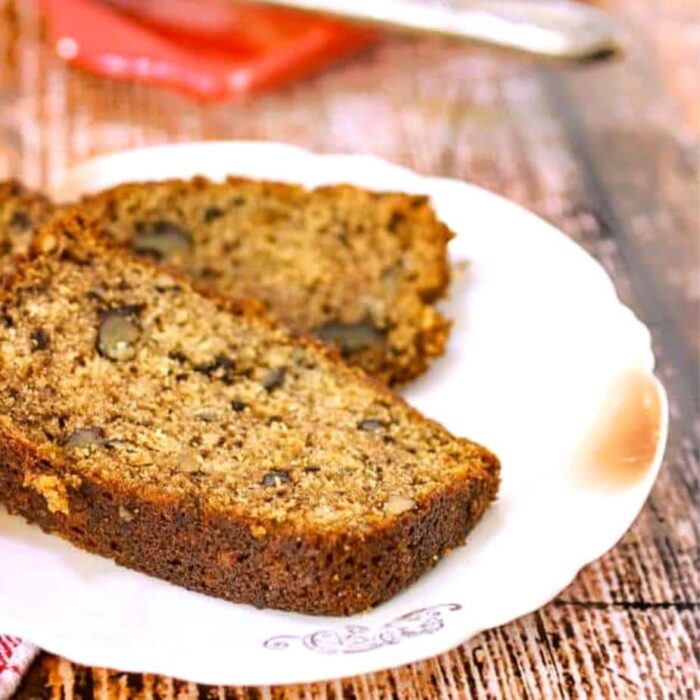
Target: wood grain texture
x,y
608,153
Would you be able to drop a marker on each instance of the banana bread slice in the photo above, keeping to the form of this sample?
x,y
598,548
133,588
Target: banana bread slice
x,y
21,212
191,438
355,268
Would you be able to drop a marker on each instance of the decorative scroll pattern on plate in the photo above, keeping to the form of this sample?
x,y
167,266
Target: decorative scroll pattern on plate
x,y
354,639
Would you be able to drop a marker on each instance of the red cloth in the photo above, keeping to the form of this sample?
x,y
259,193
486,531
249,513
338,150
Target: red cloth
x,y
15,658
246,47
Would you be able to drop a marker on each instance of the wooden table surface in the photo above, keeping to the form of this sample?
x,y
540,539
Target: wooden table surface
x,y
606,151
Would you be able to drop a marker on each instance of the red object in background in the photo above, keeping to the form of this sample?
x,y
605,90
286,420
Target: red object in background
x,y
226,50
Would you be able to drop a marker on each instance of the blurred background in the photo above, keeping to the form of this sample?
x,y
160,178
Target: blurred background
x,y
192,69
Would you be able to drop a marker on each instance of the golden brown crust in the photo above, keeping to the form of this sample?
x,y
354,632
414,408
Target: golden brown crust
x,y
21,212
367,259
188,534
69,228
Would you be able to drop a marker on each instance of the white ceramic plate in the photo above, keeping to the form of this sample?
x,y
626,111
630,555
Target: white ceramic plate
x,y
545,366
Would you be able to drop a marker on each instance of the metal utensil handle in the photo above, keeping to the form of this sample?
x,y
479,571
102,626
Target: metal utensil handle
x,y
561,28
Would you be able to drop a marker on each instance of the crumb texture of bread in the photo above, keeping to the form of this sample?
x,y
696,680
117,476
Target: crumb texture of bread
x,y
194,439
355,268
22,211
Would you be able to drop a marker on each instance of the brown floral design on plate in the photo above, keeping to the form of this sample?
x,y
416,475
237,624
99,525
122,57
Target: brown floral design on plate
x,y
354,639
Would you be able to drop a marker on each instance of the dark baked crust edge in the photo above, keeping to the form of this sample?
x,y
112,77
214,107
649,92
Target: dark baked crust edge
x,y
223,555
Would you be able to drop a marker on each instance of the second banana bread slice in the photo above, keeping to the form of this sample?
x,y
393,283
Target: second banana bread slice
x,y
192,438
356,268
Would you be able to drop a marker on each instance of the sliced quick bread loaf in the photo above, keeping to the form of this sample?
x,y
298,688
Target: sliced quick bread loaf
x,y
355,268
191,438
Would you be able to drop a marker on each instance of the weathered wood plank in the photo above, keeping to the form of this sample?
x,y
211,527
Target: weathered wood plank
x,y
604,151
671,39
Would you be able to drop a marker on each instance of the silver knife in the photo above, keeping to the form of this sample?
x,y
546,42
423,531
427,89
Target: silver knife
x,y
558,28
